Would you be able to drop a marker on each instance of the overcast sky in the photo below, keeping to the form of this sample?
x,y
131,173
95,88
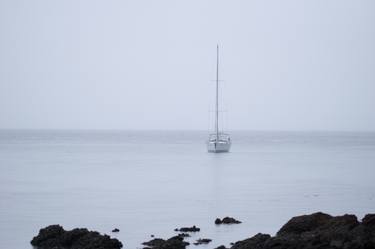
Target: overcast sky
x,y
286,65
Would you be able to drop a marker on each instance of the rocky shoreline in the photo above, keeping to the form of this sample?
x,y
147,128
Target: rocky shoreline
x,y
314,231
317,231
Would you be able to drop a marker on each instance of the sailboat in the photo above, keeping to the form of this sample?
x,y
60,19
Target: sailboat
x,y
218,141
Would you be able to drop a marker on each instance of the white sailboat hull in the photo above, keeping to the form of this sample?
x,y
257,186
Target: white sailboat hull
x,y
218,147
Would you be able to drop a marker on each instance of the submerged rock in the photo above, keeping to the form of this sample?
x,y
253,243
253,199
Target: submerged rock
x,y
188,229
176,242
317,231
202,241
227,220
55,237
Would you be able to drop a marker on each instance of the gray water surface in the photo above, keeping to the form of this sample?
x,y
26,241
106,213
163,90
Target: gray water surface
x,y
150,182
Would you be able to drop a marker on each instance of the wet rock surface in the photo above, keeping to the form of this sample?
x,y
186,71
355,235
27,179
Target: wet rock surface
x,y
55,237
116,230
188,229
317,231
227,220
176,242
202,241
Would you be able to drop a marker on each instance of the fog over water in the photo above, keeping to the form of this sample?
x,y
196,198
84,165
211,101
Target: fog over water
x,y
90,64
152,182
105,108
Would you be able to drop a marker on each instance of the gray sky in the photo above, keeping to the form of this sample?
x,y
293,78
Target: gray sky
x,y
287,65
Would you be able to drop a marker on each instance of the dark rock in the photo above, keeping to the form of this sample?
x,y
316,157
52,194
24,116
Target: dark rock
x,y
221,247
338,229
304,223
175,242
152,235
154,242
253,242
227,220
184,235
55,237
317,231
230,220
188,229
202,241
116,230
49,237
369,220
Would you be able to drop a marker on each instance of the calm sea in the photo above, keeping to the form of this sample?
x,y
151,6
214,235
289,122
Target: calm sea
x,y
152,182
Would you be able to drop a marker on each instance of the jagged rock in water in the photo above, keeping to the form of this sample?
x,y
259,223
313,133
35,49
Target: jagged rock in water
x,y
188,229
202,241
154,242
116,230
55,237
304,223
317,231
253,242
176,242
369,220
227,220
184,235
221,247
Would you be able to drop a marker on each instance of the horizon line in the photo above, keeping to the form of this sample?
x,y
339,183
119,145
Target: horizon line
x,y
182,130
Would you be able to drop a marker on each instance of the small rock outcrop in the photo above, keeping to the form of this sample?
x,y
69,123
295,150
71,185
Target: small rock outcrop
x,y
369,220
227,220
202,241
304,223
176,242
256,241
154,243
55,237
116,230
221,247
317,231
184,235
188,229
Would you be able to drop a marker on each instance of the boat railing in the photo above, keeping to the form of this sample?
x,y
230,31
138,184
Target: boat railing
x,y
222,137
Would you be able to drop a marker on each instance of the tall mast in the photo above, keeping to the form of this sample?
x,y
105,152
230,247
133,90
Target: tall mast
x,y
217,95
